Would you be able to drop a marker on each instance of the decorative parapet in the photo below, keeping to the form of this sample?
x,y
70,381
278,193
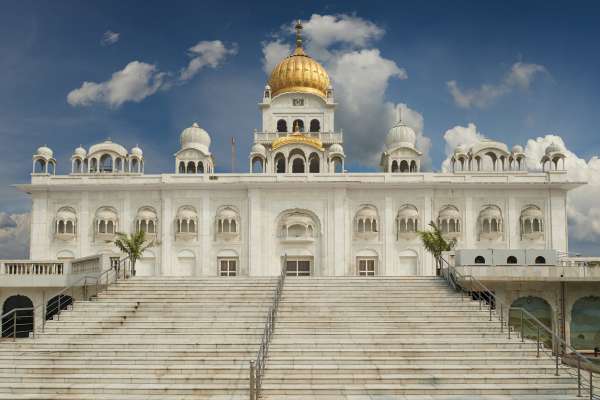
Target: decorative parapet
x,y
50,273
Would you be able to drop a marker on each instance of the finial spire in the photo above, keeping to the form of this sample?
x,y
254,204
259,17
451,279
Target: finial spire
x,y
298,34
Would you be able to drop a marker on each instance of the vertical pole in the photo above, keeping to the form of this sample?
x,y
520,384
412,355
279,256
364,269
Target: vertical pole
x,y
578,377
538,342
44,311
591,384
522,328
252,382
501,318
490,305
58,311
556,373
508,322
15,326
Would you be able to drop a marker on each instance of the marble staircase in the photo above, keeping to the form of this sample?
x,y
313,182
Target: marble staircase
x,y
145,338
398,338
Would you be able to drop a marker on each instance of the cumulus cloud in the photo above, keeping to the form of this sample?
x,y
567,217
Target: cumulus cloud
x,y
520,76
135,82
360,76
14,235
583,209
139,80
109,38
206,54
273,52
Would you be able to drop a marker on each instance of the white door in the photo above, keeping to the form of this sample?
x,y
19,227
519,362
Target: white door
x,y
407,266
145,266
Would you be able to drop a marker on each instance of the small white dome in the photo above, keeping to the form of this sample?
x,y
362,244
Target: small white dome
x,y
553,148
517,149
45,152
195,137
136,151
400,135
267,87
258,148
80,152
108,146
336,148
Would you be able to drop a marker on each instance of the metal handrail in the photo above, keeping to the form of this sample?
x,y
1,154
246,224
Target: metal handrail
x,y
257,367
57,309
451,274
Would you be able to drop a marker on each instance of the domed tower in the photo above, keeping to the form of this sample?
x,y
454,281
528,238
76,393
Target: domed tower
x,y
400,154
194,156
44,162
298,119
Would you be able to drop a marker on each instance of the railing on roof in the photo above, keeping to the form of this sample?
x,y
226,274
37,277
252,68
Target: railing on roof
x,y
478,291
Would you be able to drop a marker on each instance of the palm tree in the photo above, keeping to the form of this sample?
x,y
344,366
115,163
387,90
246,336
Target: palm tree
x,y
133,245
435,243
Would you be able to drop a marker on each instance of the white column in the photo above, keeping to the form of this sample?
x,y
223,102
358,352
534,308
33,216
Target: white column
x,y
166,236
389,238
40,227
427,266
256,235
83,226
208,258
340,228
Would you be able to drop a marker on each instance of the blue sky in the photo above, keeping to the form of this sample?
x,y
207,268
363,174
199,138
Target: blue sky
x,y
52,48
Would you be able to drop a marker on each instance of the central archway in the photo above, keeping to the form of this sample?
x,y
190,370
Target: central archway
x,y
19,322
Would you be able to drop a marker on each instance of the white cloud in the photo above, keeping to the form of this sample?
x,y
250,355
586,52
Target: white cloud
x,y
206,54
360,76
109,38
135,82
14,235
520,76
273,52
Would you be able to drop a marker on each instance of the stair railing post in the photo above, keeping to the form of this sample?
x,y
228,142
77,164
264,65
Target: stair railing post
x,y
44,310
591,384
538,341
490,305
252,382
508,322
556,373
501,318
15,326
522,328
578,377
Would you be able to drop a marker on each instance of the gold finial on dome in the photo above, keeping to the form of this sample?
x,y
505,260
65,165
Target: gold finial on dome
x,y
299,50
299,73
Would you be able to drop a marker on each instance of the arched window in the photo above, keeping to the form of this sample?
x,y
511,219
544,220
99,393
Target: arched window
x,y
337,165
511,260
479,260
94,165
298,166
106,163
135,165
394,166
20,321
40,166
200,167
541,310
282,125
413,166
298,125
314,166
280,163
585,324
404,166
77,166
257,165
540,260
181,167
315,125
191,167
119,164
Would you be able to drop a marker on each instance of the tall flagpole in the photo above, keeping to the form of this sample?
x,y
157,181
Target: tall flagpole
x,y
232,154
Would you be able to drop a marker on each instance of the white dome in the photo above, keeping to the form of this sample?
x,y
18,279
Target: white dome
x,y
195,137
258,148
400,135
489,144
517,149
45,152
136,151
553,148
108,146
336,148
80,152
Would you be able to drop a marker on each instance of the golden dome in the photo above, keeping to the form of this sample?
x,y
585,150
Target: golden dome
x,y
299,73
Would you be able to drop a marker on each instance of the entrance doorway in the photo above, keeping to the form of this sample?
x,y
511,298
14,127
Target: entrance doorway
x,y
298,267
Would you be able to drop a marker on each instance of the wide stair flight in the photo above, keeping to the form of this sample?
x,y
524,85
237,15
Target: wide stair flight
x,y
145,338
398,338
